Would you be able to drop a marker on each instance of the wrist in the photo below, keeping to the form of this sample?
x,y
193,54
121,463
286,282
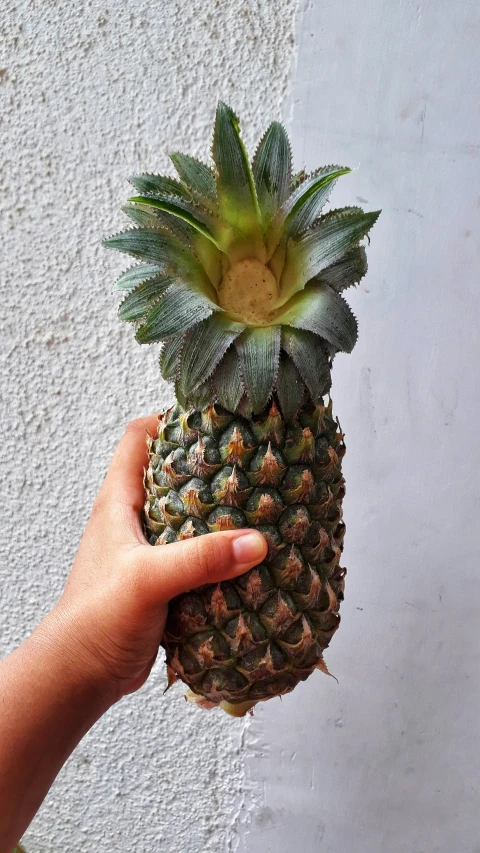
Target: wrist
x,y
58,641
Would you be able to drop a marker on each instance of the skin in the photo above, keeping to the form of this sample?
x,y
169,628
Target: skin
x,y
101,639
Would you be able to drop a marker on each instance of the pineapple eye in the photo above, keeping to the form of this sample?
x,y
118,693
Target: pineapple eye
x,y
249,292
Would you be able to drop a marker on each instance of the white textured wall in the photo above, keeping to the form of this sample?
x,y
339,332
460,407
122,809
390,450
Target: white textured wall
x,y
89,93
387,761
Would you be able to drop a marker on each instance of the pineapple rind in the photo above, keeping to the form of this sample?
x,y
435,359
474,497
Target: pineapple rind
x,y
257,636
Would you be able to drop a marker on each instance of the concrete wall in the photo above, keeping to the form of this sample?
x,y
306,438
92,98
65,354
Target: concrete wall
x,y
386,760
91,92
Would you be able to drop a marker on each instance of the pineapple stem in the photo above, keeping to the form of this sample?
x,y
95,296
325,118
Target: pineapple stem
x,y
238,709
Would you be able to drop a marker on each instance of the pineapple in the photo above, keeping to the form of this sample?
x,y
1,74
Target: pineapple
x,y
240,277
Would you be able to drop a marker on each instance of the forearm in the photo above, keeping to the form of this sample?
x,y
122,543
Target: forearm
x,y
48,701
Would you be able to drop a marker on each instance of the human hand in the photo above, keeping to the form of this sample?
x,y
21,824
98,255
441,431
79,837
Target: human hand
x,y
101,639
113,610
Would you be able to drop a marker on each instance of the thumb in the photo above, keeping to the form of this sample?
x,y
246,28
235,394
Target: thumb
x,y
181,566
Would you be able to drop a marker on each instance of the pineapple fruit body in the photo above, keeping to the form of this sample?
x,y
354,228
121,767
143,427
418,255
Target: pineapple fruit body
x,y
242,641
240,276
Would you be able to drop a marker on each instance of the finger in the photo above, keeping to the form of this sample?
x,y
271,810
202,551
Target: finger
x,y
124,480
181,566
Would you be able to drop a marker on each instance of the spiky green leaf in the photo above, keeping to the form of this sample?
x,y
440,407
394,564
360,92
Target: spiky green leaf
x,y
152,244
136,275
319,309
305,350
315,186
290,389
205,345
201,397
334,234
170,357
272,171
140,301
226,382
178,310
244,407
350,270
303,205
202,231
140,216
196,175
205,250
185,210
149,217
237,197
159,184
259,351
298,178
180,396
166,250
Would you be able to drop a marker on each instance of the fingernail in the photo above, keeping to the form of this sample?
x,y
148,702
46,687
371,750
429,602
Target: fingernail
x,y
249,548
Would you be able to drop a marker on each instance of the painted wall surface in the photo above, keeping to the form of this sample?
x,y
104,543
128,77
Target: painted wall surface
x,y
387,760
91,92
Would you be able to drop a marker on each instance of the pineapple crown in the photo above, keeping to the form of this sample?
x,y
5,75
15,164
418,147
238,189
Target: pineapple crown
x,y
240,273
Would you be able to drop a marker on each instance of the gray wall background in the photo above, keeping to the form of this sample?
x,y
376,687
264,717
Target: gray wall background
x,y
387,760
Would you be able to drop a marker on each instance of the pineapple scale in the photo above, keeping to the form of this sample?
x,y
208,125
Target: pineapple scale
x,y
255,637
